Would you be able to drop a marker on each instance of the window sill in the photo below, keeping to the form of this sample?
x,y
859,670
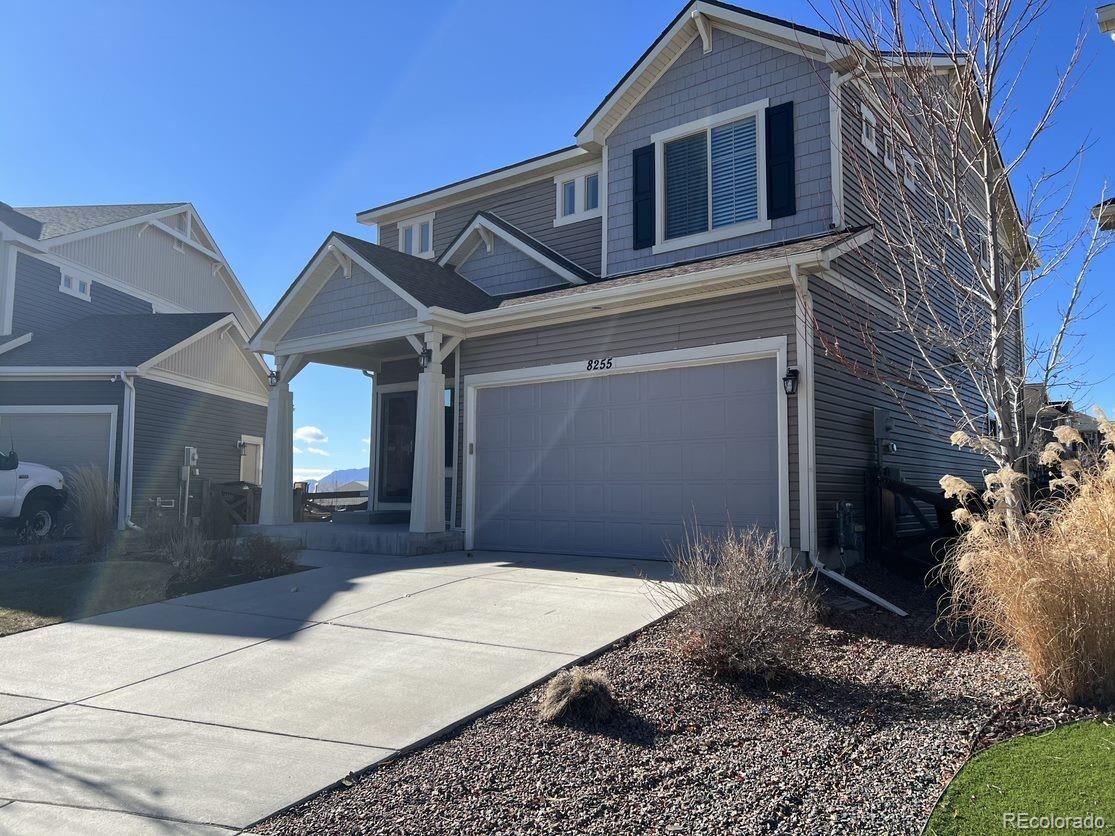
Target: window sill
x,y
718,234
76,294
564,220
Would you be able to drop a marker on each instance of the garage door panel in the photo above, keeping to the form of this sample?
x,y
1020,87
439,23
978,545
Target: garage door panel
x,y
492,431
61,440
490,403
620,464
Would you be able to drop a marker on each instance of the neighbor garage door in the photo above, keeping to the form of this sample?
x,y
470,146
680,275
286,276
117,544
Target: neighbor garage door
x,y
618,465
61,440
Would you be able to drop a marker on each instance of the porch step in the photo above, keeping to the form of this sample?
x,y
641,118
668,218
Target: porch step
x,y
393,539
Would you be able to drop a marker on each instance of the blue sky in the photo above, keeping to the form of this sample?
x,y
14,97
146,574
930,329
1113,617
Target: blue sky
x,y
280,120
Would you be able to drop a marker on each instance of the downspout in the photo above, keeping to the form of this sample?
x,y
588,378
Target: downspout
x,y
836,143
128,446
806,417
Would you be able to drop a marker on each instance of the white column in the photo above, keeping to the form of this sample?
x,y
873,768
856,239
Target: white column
x,y
277,497
427,502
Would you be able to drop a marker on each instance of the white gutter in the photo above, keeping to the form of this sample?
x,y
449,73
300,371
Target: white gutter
x,y
127,452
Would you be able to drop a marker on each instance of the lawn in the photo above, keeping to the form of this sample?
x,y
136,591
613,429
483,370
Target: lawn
x,y
1067,772
34,596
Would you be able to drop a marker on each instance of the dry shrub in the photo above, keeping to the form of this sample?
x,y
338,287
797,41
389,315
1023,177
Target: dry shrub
x,y
579,695
743,609
1045,584
266,558
93,500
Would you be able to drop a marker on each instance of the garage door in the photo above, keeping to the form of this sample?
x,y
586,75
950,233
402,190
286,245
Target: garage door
x,y
619,465
61,440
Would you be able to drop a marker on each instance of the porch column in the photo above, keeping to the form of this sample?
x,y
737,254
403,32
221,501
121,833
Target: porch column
x,y
276,505
427,503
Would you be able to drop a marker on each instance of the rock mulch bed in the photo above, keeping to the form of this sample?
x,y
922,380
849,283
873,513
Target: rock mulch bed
x,y
863,741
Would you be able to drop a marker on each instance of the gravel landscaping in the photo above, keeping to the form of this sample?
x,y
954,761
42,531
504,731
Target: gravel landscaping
x,y
863,740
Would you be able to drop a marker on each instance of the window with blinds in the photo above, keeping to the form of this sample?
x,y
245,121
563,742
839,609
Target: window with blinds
x,y
712,176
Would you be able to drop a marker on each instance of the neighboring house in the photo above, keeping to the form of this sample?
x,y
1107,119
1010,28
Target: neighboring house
x,y
122,342
587,350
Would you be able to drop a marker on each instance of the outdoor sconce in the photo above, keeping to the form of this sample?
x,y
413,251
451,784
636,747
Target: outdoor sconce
x,y
790,381
241,446
425,357
273,377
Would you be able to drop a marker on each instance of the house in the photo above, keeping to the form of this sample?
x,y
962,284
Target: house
x,y
123,341
586,351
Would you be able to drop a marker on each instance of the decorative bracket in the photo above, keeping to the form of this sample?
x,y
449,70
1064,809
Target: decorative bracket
x,y
704,26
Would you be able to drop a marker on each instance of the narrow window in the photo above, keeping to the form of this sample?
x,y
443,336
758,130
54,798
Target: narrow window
x,y
424,237
868,134
408,240
83,287
592,192
888,152
735,173
569,197
687,185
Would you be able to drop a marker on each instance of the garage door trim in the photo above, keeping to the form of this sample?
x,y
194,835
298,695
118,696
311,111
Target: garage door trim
x,y
74,409
769,347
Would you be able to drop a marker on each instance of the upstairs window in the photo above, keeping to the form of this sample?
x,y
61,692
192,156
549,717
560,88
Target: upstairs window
x,y
416,236
714,175
869,132
76,285
578,195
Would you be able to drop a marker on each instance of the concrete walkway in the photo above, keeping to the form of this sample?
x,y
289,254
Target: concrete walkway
x,y
206,713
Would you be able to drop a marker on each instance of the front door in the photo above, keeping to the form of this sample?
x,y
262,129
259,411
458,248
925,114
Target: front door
x,y
398,411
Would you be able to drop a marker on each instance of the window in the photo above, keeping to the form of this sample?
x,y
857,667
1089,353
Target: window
x,y
578,195
76,285
909,172
869,133
416,236
713,182
888,152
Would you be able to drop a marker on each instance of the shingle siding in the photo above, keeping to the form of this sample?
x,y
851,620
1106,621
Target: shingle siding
x,y
506,270
346,303
763,313
531,207
169,418
40,306
736,73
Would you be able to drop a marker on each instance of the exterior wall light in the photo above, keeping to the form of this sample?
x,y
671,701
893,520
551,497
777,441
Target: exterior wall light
x,y
790,381
425,358
273,377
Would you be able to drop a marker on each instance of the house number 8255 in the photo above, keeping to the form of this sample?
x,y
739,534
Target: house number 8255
x,y
598,365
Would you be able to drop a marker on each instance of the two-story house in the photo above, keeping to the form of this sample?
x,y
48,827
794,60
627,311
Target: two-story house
x,y
588,350
123,341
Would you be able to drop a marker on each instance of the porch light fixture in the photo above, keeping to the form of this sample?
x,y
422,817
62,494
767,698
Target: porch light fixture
x,y
273,377
425,357
790,381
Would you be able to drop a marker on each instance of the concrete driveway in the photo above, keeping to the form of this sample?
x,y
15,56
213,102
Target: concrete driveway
x,y
206,713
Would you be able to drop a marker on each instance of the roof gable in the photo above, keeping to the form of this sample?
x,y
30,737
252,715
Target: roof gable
x,y
66,220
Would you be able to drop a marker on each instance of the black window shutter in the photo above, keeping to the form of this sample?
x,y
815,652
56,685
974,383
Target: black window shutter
x,y
642,191
780,161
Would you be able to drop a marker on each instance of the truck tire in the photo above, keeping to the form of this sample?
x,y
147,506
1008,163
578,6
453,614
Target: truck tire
x,y
39,518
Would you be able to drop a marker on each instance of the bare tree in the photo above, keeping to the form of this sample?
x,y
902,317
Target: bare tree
x,y
957,251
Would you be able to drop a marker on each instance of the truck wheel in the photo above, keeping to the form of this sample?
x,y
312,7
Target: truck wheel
x,y
38,519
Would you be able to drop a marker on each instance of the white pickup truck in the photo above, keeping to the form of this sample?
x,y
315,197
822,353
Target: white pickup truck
x,y
31,496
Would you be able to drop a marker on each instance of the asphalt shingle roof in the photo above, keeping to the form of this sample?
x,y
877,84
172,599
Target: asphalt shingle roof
x,y
425,280
538,246
124,340
63,220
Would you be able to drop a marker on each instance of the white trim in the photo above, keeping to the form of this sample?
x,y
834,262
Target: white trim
x,y
868,119
454,522
16,342
257,440
460,250
351,337
8,256
78,409
526,172
836,145
208,387
662,138
146,218
76,278
578,177
415,224
604,168
773,347
888,150
909,173
68,372
220,324
127,454
807,446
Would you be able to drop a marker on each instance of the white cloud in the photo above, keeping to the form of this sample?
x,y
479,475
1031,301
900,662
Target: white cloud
x,y
297,449
309,433
365,441
317,451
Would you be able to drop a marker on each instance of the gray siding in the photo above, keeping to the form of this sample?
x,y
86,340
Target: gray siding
x,y
65,393
531,207
169,418
506,270
763,313
221,358
736,73
845,400
40,306
343,304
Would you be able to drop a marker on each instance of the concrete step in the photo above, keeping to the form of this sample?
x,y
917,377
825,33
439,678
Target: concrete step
x,y
394,539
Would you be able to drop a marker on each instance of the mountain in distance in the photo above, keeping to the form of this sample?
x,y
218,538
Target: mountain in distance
x,y
336,480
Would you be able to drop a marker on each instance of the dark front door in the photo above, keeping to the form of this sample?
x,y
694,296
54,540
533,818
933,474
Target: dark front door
x,y
396,446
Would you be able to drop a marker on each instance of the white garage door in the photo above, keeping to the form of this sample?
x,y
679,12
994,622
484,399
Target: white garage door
x,y
61,440
619,465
